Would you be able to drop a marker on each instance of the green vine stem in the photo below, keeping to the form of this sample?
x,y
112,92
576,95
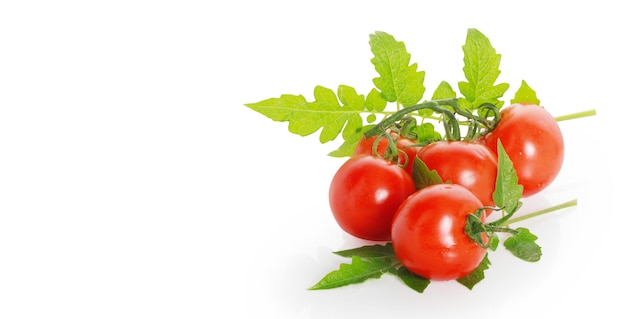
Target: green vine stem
x,y
448,108
392,152
575,115
567,204
433,105
474,227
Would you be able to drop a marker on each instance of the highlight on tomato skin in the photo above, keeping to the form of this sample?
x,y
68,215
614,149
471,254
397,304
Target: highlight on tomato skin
x,y
533,140
365,193
428,233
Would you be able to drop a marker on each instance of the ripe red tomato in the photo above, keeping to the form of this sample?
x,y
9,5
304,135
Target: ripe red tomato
x,y
428,232
471,165
533,140
365,194
404,144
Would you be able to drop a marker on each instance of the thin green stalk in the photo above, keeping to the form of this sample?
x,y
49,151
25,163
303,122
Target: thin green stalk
x,y
570,203
575,115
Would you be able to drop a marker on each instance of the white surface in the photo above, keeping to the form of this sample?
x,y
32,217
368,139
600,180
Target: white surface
x,y
135,184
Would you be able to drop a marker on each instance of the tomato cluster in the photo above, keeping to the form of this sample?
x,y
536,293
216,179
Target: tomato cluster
x,y
376,197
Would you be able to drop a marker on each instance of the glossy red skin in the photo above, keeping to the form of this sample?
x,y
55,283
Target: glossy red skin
x,y
471,165
428,233
404,144
534,142
365,193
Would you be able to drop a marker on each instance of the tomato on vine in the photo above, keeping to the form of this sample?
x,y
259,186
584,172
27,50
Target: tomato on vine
x,y
428,232
427,191
471,165
532,138
365,193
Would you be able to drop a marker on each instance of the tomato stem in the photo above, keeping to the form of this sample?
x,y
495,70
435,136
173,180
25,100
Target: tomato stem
x,y
502,229
434,105
448,109
575,115
567,204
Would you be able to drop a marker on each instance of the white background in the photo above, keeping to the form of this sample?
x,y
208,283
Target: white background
x,y
134,183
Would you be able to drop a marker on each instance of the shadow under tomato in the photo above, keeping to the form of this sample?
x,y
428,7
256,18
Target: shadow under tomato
x,y
507,281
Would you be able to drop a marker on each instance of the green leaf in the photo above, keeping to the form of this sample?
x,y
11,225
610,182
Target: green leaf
x,y
412,280
325,112
476,275
375,102
481,70
332,117
348,96
356,272
368,251
443,92
346,149
399,81
508,192
281,109
525,94
427,133
423,176
494,241
523,246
